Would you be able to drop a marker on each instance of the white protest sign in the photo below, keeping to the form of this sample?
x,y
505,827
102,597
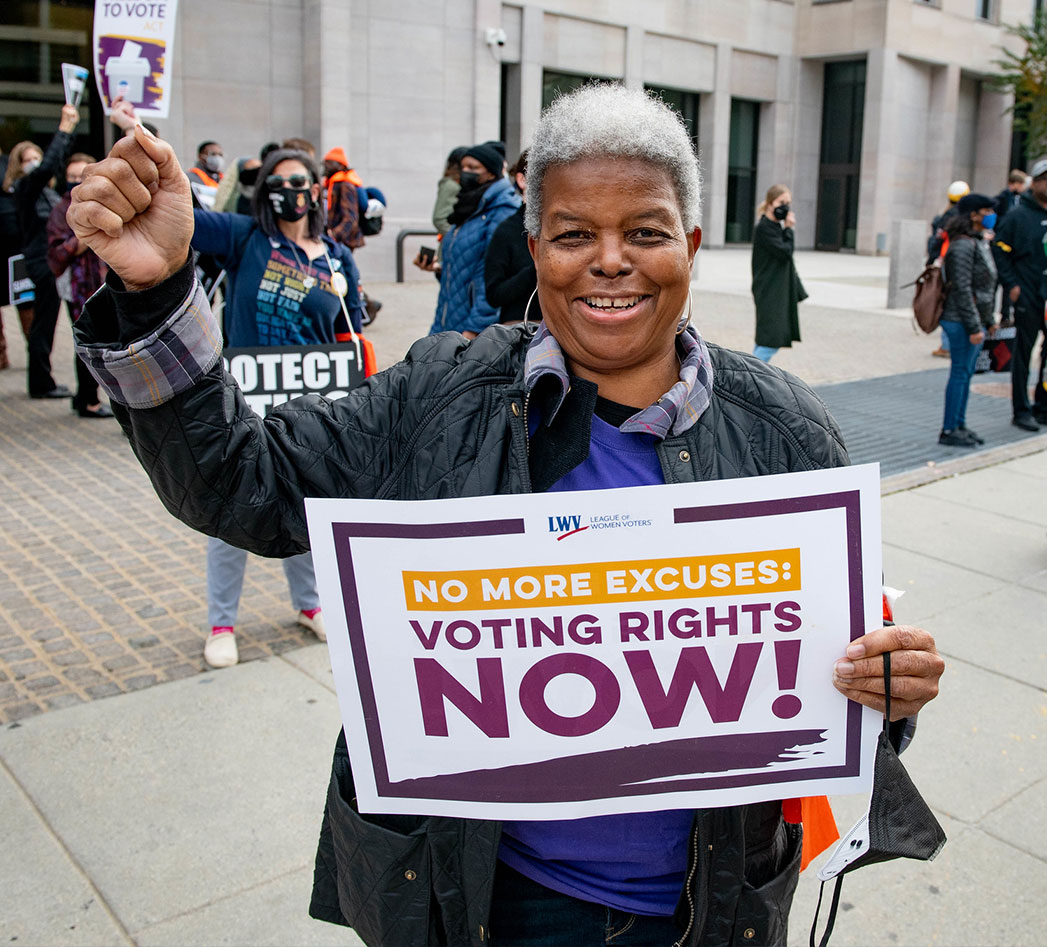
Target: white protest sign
x,y
270,376
133,41
559,655
73,82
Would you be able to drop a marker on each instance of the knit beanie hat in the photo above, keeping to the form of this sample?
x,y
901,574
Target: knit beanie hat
x,y
488,156
337,154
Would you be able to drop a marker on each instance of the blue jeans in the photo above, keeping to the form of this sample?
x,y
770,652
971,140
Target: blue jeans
x,y
225,579
527,914
764,352
963,356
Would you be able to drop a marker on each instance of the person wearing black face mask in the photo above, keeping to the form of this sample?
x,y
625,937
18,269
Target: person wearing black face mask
x,y
285,279
78,274
776,285
486,199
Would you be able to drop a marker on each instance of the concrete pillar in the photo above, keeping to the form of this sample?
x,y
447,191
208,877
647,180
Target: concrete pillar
x,y
715,136
634,56
993,141
879,133
327,72
774,156
941,138
487,74
908,252
809,83
532,40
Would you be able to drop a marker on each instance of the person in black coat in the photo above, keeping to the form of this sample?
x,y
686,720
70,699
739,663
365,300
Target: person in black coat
x,y
509,273
34,201
1020,248
776,286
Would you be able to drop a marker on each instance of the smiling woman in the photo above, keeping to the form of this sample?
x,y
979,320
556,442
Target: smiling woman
x,y
615,388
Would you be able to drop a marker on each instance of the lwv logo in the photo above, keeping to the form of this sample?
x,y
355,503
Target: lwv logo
x,y
565,526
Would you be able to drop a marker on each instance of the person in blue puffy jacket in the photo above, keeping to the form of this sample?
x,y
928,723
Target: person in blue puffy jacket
x,y
485,200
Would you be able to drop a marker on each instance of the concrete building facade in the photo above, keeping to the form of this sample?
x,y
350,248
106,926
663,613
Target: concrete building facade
x,y
866,109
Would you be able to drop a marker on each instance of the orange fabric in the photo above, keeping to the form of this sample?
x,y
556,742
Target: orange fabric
x,y
887,614
332,179
819,825
204,176
366,348
945,245
337,154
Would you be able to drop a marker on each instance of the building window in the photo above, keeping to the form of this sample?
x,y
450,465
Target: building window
x,y
685,104
560,83
741,170
928,3
843,111
37,39
985,10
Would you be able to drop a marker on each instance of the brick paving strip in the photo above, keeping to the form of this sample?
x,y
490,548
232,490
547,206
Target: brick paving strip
x,y
102,591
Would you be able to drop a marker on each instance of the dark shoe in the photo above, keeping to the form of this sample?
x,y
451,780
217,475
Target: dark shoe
x,y
1025,421
100,412
1039,415
59,391
970,435
955,439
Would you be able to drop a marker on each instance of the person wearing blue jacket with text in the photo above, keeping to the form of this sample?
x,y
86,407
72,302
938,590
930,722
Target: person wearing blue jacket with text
x,y
485,200
285,279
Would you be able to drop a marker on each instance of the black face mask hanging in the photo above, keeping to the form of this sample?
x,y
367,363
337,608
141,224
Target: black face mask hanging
x,y
899,824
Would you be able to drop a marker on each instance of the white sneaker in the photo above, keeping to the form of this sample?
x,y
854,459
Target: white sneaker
x,y
314,624
220,650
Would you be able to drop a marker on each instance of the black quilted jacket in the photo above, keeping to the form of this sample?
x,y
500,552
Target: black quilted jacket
x,y
450,421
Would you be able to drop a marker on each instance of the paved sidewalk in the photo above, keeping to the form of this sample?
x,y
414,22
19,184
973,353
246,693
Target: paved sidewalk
x,y
186,813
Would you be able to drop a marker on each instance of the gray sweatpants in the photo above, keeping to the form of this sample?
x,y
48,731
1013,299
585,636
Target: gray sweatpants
x,y
225,580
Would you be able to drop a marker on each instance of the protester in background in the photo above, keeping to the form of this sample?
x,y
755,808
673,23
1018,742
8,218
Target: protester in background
x,y
968,313
23,158
34,200
776,285
621,395
78,274
447,189
268,258
509,274
206,175
1006,200
486,198
936,244
1021,258
8,221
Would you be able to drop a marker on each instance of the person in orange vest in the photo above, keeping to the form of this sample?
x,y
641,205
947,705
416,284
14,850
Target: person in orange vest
x,y
206,174
353,211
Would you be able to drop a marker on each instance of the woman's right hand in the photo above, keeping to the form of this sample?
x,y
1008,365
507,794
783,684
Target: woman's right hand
x,y
135,211
790,220
69,120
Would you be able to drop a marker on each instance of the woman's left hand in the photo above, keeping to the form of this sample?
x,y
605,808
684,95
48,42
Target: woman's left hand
x,y
916,668
790,220
977,338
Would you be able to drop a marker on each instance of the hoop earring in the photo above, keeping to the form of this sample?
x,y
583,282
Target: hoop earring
x,y
684,322
527,308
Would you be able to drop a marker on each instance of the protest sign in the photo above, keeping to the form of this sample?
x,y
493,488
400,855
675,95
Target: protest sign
x,y
23,289
74,79
133,43
274,375
560,655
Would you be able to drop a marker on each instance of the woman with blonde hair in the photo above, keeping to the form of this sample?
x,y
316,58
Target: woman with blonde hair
x,y
776,286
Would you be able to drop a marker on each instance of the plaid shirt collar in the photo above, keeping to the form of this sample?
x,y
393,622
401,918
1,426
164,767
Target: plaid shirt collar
x,y
673,413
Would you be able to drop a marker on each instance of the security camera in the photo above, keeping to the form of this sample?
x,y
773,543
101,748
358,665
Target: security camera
x,y
495,36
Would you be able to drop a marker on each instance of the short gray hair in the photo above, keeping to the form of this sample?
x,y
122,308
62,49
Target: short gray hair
x,y
611,121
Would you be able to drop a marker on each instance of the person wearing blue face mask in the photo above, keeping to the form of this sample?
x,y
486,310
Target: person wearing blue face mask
x,y
968,313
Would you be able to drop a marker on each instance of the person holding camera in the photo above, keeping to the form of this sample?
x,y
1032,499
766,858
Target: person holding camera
x,y
776,285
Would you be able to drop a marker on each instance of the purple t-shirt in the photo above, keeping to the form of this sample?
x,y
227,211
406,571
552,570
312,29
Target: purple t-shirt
x,y
634,863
